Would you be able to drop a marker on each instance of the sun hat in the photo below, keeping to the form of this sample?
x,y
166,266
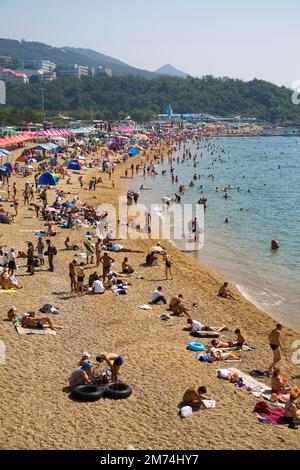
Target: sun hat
x,y
85,354
87,365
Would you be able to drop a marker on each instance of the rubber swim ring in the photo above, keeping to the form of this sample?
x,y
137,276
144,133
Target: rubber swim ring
x,y
196,346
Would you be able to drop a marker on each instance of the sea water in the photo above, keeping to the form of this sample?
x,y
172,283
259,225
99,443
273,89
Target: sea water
x,y
267,171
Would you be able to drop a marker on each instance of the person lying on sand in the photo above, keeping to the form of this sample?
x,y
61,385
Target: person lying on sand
x,y
195,395
229,343
212,356
279,383
29,321
195,325
81,375
226,293
114,362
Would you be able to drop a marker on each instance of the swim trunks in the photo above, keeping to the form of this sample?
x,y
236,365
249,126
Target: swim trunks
x,y
274,346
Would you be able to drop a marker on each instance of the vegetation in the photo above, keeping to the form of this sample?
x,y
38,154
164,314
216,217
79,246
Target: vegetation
x,y
28,50
114,97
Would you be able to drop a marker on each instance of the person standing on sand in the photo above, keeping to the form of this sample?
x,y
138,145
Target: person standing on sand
x,y
89,250
30,259
168,265
98,252
107,261
275,345
80,279
51,252
72,275
114,362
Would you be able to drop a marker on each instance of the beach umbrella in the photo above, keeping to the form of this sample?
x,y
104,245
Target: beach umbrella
x,y
32,160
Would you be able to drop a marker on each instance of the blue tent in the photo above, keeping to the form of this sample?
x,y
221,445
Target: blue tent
x,y
8,167
74,165
133,151
46,179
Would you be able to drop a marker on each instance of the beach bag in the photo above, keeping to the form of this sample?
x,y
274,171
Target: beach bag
x,y
54,251
186,411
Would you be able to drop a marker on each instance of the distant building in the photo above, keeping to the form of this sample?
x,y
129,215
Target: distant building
x,y
109,72
44,65
76,71
5,58
47,77
13,76
101,71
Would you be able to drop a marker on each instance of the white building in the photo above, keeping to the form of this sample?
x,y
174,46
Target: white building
x,y
44,65
76,71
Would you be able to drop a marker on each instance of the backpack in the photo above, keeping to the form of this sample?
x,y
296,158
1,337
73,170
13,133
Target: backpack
x,y
54,251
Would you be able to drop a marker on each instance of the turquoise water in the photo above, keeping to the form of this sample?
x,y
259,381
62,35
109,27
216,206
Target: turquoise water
x,y
240,250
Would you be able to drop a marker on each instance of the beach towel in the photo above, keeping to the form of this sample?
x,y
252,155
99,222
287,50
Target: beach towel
x,y
7,291
145,307
36,331
257,388
209,403
236,349
204,334
271,416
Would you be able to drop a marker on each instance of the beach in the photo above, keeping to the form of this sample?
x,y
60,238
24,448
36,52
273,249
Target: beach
x,y
36,411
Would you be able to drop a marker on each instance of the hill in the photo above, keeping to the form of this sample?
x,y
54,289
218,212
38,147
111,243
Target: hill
x,y
114,97
24,50
171,71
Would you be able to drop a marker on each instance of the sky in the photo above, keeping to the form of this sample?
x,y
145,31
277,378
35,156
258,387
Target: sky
x,y
234,38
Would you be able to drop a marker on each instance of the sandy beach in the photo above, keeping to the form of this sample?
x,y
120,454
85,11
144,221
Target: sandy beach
x,y
35,409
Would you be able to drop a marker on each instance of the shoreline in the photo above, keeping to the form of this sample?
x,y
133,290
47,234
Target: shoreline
x,y
157,364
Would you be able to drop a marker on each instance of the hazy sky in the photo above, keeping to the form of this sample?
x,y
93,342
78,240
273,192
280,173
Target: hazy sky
x,y
234,38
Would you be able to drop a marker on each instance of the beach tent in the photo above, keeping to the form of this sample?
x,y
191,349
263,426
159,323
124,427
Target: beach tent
x,y
3,171
74,165
9,168
47,179
56,176
4,219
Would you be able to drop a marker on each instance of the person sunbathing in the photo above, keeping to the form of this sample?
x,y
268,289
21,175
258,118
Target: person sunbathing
x,y
222,344
126,267
292,412
6,283
225,292
180,309
195,395
29,321
279,383
229,343
195,325
211,356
